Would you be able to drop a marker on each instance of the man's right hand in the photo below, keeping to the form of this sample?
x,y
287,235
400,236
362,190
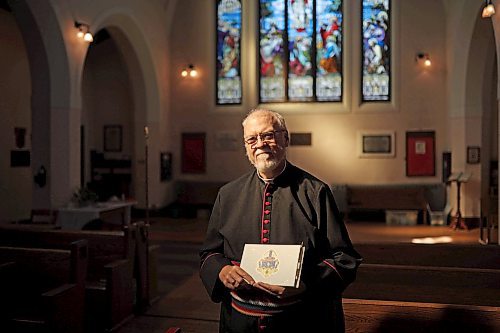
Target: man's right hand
x,y
235,277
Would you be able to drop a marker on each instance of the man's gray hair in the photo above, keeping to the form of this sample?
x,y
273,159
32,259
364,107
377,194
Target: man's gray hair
x,y
276,116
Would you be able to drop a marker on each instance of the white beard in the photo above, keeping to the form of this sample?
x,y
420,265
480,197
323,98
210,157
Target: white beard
x,y
265,165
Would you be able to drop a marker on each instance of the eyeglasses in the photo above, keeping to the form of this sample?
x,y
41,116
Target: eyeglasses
x,y
264,137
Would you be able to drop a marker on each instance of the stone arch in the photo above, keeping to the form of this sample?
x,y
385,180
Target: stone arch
x,y
50,100
479,111
495,19
145,79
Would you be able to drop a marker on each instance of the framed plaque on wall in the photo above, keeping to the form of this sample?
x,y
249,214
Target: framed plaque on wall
x,y
113,137
376,144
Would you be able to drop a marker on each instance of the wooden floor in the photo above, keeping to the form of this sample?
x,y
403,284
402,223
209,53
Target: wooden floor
x,y
184,302
193,230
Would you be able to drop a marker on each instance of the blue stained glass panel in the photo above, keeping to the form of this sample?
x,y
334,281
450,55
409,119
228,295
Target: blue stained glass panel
x,y
329,32
376,50
228,52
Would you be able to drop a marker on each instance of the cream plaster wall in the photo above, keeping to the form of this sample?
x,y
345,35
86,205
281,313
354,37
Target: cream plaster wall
x,y
419,96
15,183
158,38
141,26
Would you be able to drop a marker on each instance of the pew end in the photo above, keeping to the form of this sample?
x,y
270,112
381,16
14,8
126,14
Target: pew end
x,y
42,290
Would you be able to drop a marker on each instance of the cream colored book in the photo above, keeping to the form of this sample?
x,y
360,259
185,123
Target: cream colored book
x,y
274,264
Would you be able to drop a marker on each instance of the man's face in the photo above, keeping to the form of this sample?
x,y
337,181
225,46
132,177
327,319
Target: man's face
x,y
269,151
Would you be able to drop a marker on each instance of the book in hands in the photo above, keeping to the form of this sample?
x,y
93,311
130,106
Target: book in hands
x,y
274,264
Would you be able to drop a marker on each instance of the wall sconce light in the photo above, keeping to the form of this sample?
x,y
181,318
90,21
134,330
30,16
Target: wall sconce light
x,y
489,9
84,32
423,59
189,71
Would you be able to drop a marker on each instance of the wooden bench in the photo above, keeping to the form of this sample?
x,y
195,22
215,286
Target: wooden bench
x,y
43,290
194,195
367,316
428,284
425,288
109,297
439,273
436,255
382,197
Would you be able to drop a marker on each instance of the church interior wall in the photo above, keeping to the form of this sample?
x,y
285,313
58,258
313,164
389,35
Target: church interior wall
x,y
421,96
15,84
166,36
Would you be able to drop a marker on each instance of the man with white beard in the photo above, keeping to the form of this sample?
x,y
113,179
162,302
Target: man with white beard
x,y
276,203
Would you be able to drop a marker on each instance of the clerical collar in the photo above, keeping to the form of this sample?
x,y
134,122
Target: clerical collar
x,y
270,180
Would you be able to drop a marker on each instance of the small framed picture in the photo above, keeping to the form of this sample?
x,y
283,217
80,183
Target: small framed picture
x,y
113,138
473,155
376,144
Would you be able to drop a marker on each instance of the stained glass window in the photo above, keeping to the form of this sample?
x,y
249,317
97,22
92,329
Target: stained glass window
x,y
376,50
300,50
228,52
329,50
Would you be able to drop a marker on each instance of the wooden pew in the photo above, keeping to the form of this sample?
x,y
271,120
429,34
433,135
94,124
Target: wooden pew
x,y
437,273
370,316
109,285
441,255
194,195
378,197
43,290
427,284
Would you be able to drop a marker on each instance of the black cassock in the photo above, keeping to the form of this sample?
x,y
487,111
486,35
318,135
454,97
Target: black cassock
x,y
294,208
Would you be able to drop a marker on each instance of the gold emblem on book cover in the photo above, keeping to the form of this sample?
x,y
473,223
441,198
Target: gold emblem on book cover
x,y
269,264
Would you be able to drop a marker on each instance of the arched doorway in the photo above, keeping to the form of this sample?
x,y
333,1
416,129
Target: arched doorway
x,y
107,120
481,132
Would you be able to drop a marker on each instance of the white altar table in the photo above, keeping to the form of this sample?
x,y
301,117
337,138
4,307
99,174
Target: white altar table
x,y
74,218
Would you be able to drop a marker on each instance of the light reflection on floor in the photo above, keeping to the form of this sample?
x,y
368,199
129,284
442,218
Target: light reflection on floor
x,y
432,240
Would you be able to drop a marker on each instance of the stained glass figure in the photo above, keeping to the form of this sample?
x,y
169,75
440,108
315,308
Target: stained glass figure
x,y
300,50
329,30
272,50
228,52
376,50
300,46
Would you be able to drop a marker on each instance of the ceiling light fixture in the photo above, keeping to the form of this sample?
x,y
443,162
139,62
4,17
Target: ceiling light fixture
x,y
488,10
84,31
